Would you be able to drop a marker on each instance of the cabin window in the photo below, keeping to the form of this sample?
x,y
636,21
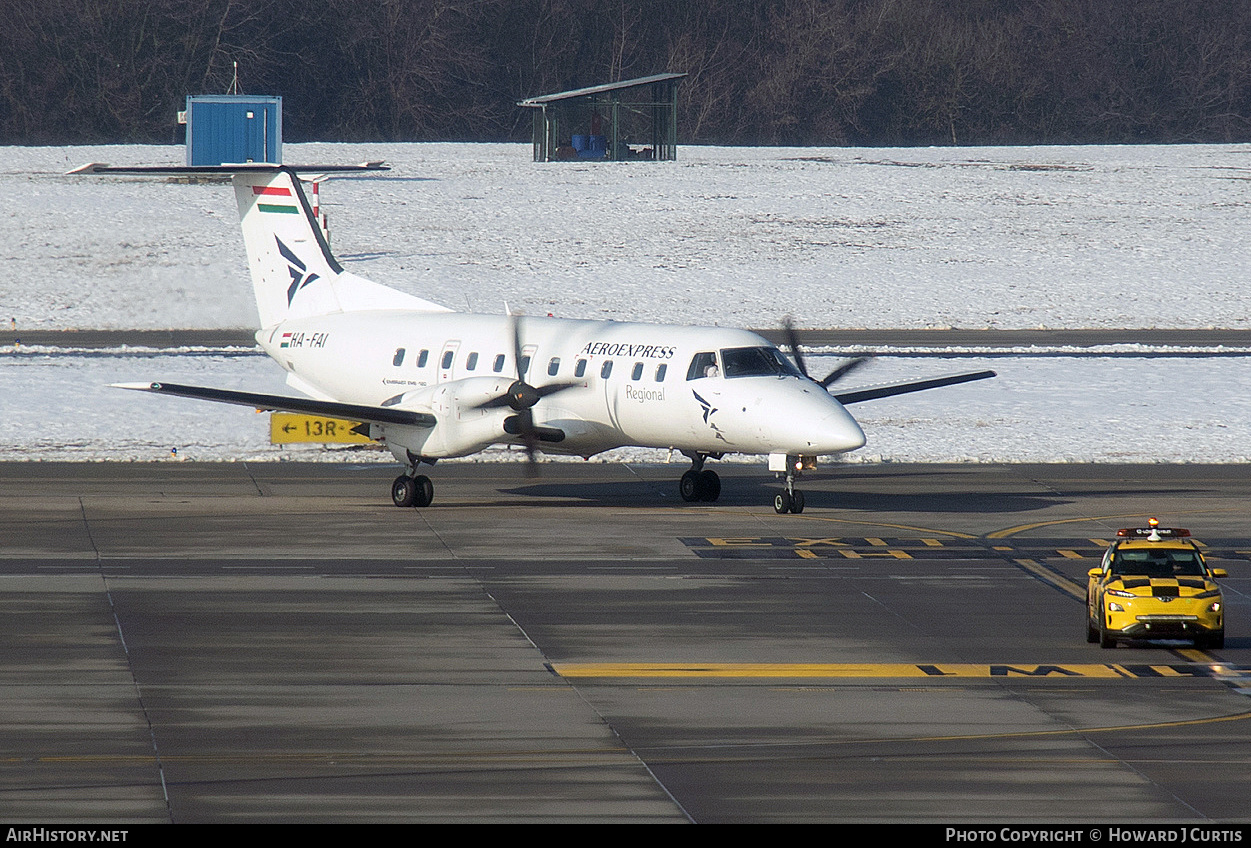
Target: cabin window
x,y
637,373
702,365
472,361
448,356
660,372
499,364
423,358
553,366
398,359
579,370
606,369
524,368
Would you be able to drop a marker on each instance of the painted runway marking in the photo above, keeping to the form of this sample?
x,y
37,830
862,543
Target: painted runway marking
x,y
867,671
926,547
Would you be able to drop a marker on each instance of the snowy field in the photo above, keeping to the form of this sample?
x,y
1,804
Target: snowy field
x,y
933,237
945,237
1040,409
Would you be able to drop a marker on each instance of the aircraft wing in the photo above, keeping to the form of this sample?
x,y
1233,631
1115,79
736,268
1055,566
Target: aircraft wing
x,y
351,411
892,389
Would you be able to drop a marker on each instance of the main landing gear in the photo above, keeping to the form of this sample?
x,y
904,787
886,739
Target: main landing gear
x,y
699,484
412,491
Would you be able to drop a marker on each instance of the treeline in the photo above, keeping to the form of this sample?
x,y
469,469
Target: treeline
x,y
806,72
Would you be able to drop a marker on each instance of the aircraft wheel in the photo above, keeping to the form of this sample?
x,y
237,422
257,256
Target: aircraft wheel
x,y
782,503
797,502
708,485
425,491
404,491
689,487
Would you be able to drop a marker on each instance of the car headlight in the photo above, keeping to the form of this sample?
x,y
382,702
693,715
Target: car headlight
x,y
1120,593
1210,593
1215,607
1113,606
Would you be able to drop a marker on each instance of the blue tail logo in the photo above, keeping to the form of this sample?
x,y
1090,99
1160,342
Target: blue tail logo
x,y
299,279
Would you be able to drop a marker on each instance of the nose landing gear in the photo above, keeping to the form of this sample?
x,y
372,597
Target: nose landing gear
x,y
790,468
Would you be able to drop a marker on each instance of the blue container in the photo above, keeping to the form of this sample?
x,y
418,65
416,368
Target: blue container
x,y
231,129
599,142
581,142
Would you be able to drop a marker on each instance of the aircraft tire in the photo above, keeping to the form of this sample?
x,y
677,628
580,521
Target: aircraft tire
x,y
797,502
689,486
782,503
404,491
425,491
708,485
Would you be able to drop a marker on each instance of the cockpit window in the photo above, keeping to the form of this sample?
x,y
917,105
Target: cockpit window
x,y
757,362
702,365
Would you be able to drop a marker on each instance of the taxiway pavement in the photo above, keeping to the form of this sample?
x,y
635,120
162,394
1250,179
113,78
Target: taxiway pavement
x,y
275,642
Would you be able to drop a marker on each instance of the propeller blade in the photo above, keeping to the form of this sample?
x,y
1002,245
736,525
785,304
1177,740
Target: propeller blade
x,y
525,423
514,326
843,370
792,339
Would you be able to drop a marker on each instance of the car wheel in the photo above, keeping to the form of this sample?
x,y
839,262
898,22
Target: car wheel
x,y
1106,639
1212,640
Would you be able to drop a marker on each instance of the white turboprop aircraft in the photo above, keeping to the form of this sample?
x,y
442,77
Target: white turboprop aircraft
x,y
431,383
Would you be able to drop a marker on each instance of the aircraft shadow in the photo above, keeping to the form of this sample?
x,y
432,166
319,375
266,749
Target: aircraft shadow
x,y
739,493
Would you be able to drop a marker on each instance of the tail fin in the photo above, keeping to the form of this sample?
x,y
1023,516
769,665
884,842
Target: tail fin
x,y
294,274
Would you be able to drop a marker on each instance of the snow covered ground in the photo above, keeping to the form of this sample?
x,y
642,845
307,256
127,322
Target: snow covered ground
x,y
931,237
965,237
1040,409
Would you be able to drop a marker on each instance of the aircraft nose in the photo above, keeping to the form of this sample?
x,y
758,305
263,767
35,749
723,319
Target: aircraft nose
x,y
818,426
838,433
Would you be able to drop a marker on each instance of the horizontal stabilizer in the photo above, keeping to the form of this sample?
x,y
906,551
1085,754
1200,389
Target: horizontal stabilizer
x,y
350,411
908,386
223,170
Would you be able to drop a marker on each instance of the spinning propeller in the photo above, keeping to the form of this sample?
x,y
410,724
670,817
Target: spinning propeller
x,y
521,398
792,339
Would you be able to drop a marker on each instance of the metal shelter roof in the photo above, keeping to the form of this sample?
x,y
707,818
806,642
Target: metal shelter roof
x,y
597,89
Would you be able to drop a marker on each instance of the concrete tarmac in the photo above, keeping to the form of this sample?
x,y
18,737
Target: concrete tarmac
x,y
277,643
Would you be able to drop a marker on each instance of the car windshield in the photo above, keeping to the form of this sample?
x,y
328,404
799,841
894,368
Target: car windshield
x,y
1157,563
757,362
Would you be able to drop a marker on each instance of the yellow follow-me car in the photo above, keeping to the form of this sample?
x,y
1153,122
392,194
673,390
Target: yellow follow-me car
x,y
1154,584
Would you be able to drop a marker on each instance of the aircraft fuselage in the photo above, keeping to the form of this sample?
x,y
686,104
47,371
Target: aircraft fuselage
x,y
694,389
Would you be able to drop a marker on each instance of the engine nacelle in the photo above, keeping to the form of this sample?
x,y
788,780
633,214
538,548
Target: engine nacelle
x,y
464,427
459,399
